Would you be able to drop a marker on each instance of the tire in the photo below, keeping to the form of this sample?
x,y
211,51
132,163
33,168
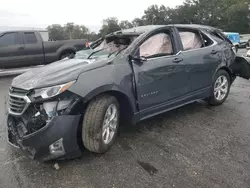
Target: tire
x,y
224,90
95,117
237,49
67,54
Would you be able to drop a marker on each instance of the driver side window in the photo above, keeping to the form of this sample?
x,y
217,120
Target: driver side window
x,y
157,45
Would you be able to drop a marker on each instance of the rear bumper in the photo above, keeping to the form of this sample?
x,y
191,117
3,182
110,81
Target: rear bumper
x,y
60,133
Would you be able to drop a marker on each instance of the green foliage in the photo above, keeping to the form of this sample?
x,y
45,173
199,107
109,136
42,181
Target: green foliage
x,y
229,15
109,25
57,32
68,31
125,24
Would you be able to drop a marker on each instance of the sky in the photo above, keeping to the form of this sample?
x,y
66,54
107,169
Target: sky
x,y
41,13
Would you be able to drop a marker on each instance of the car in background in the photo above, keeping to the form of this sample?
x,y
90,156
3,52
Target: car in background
x,y
244,44
234,38
127,76
30,48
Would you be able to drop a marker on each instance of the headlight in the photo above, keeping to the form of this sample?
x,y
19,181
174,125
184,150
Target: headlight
x,y
52,91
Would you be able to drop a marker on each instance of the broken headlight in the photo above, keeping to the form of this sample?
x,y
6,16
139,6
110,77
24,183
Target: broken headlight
x,y
49,92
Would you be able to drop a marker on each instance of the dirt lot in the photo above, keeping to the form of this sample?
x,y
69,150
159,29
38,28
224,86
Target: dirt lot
x,y
193,146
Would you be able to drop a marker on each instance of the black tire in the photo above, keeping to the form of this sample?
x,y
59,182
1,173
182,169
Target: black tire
x,y
237,49
67,54
92,127
212,99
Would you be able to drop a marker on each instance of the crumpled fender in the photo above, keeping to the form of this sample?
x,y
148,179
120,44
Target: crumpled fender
x,y
241,67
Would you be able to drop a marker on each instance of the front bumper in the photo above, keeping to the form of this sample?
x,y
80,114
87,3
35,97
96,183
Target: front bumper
x,y
37,145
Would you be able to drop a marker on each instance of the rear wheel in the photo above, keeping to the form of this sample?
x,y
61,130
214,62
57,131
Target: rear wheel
x,y
100,124
66,54
220,89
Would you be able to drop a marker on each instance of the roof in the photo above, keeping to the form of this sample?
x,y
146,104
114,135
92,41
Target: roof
x,y
142,29
231,33
194,26
15,31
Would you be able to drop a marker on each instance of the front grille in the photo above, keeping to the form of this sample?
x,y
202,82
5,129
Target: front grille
x,y
16,104
18,101
18,91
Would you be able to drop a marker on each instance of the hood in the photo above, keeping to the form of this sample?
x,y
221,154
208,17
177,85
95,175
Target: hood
x,y
56,73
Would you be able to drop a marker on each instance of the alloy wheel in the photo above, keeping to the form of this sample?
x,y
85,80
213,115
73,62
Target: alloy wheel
x,y
110,123
221,87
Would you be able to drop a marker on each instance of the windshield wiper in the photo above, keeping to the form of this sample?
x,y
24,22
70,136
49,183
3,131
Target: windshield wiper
x,y
119,51
95,52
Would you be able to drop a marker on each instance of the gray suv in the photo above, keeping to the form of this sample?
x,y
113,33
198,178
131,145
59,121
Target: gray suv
x,y
58,110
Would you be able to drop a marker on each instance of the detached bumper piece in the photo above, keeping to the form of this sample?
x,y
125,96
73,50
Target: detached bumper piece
x,y
241,67
56,140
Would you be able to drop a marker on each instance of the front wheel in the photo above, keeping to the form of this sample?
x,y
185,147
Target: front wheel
x,y
100,123
220,88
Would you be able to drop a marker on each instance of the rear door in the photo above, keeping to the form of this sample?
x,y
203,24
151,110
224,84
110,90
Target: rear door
x,y
201,57
11,50
33,48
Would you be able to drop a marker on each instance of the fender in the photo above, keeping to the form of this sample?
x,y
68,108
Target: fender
x,y
226,61
67,47
241,67
109,78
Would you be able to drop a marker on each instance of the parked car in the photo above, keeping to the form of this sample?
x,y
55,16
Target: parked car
x,y
234,38
244,44
27,48
57,110
248,53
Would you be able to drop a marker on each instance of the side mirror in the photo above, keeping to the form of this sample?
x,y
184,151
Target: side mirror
x,y
137,59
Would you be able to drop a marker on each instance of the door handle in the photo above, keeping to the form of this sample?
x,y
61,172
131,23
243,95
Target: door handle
x,y
214,52
177,60
21,48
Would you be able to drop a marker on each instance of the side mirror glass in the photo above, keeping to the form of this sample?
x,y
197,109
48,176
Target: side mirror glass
x,y
138,59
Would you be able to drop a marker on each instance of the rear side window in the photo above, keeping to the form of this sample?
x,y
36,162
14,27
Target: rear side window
x,y
218,36
193,39
10,39
206,40
30,38
190,40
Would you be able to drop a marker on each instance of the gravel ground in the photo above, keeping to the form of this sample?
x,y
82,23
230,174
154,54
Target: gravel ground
x,y
193,146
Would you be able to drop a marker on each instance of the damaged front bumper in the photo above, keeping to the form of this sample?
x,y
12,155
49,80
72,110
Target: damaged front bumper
x,y
44,137
56,140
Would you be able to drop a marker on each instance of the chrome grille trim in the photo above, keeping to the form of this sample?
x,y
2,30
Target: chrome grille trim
x,y
18,91
18,104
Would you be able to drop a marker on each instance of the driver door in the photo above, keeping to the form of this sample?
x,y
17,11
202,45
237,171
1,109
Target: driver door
x,y
162,76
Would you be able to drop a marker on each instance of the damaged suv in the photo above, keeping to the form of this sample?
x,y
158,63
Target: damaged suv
x,y
58,110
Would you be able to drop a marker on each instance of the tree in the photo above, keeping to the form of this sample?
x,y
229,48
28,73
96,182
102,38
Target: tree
x,y
138,22
68,31
229,15
155,15
56,32
125,24
109,25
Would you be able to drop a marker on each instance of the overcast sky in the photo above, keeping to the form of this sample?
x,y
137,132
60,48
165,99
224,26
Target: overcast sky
x,y
41,13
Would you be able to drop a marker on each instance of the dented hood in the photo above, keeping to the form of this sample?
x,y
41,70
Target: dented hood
x,y
56,73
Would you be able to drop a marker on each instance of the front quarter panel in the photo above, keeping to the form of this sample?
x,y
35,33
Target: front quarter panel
x,y
115,76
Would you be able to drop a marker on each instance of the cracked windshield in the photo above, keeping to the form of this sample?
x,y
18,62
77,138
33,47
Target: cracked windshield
x,y
148,94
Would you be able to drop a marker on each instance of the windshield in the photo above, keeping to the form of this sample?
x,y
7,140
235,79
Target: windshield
x,y
108,47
